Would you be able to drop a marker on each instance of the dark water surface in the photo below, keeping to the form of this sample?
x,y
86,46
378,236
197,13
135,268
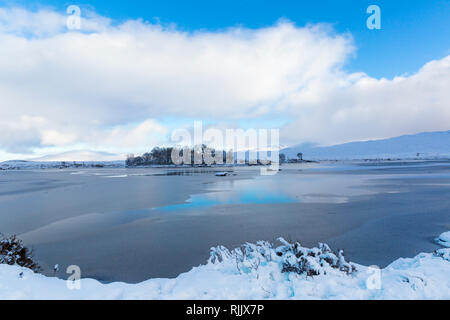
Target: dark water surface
x,y
134,224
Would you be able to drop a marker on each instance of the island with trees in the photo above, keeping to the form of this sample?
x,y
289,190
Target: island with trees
x,y
201,155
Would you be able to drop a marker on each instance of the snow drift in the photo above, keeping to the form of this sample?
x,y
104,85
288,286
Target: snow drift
x,y
258,271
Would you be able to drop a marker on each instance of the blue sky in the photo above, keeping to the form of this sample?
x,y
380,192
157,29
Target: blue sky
x,y
138,70
413,32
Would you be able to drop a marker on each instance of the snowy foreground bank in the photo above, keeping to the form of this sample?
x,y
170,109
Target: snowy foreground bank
x,y
258,271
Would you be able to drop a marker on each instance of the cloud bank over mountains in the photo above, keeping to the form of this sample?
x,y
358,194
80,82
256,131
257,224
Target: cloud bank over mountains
x,y
109,86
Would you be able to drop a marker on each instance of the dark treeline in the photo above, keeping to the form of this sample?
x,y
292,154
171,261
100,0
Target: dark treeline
x,y
156,156
163,156
198,156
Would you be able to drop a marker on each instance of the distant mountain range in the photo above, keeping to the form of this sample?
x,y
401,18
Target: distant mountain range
x,y
81,155
427,145
71,159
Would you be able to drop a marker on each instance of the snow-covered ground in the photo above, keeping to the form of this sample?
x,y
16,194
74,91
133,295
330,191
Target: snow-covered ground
x,y
255,271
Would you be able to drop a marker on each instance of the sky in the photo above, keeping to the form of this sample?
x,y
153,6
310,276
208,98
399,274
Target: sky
x,y
136,71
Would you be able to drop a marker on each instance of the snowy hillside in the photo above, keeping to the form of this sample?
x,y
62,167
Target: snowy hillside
x,y
427,145
31,165
81,155
71,159
257,271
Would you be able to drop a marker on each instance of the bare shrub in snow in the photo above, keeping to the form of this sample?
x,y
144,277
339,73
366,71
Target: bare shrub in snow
x,y
14,252
291,257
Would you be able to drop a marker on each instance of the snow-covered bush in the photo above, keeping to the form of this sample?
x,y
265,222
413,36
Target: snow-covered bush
x,y
444,239
14,252
443,253
291,257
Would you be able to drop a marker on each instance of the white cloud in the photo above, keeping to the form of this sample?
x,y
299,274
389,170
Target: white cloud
x,y
106,86
139,137
45,22
56,138
21,134
357,107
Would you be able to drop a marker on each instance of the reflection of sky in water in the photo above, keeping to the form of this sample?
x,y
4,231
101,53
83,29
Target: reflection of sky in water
x,y
252,196
277,189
